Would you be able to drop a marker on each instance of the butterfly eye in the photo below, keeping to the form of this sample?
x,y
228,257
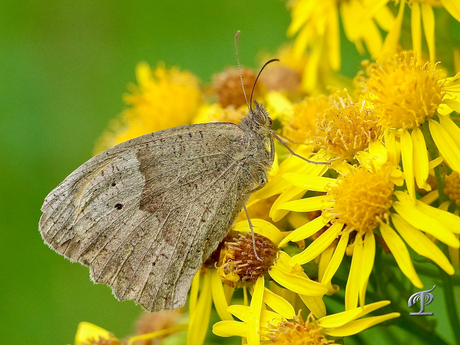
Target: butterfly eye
x,y
259,118
270,122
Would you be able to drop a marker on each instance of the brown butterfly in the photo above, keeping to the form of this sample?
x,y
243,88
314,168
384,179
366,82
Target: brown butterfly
x,y
144,215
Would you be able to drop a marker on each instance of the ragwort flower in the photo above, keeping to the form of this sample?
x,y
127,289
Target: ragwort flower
x,y
421,11
360,204
165,98
316,26
407,93
238,267
282,326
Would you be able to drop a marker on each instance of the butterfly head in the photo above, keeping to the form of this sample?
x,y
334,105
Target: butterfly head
x,y
257,121
260,116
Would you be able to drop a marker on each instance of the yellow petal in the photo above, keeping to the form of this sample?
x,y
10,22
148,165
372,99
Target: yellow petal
x,y
374,7
268,316
255,310
453,6
299,284
199,319
218,296
305,231
194,289
446,145
430,197
372,38
230,328
336,258
451,128
157,334
393,147
277,212
354,277
357,326
424,222
342,318
242,312
86,331
408,162
279,304
318,245
301,12
385,18
428,27
279,102
435,162
452,104
309,182
400,253
368,264
454,255
416,28
339,319
420,159
261,227
314,203
333,38
392,39
324,260
449,220
420,243
315,304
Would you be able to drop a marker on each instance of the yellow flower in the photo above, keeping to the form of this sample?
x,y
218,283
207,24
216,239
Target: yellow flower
x,y
360,203
215,113
407,93
164,98
347,128
300,123
275,262
238,268
452,187
282,326
228,89
89,334
421,11
316,26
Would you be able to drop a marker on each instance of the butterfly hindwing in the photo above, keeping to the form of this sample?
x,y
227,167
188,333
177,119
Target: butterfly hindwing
x,y
145,214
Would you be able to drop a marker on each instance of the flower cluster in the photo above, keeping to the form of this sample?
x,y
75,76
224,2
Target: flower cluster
x,y
390,186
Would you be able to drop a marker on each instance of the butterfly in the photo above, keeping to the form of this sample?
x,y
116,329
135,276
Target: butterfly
x,y
146,214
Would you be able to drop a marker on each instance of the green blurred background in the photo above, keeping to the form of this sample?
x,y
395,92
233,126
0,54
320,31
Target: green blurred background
x,y
64,67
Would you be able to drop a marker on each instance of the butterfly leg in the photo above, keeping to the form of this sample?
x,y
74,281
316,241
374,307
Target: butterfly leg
x,y
252,233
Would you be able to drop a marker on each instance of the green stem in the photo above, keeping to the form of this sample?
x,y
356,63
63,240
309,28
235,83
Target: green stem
x,y
451,306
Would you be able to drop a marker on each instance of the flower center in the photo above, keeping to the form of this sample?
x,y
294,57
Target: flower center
x,y
227,86
298,332
363,199
346,128
452,187
301,125
240,265
406,92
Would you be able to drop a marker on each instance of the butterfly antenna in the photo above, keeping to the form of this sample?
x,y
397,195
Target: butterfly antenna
x,y
239,69
257,78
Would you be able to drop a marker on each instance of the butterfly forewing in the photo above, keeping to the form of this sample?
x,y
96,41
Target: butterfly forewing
x,y
145,214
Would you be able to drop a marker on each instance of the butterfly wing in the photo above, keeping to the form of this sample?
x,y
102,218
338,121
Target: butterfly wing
x,y
145,214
